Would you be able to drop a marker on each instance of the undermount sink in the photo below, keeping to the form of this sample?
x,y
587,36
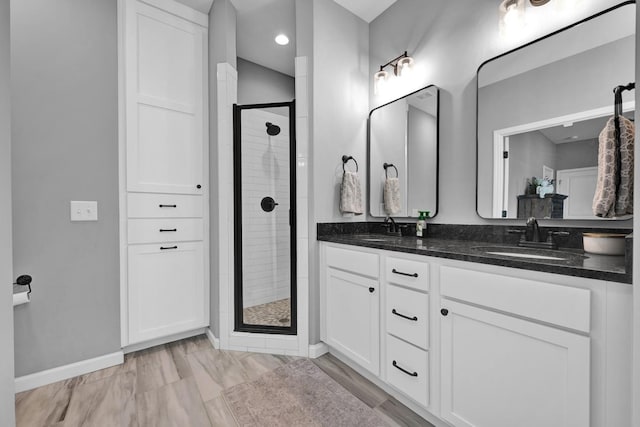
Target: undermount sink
x,y
528,253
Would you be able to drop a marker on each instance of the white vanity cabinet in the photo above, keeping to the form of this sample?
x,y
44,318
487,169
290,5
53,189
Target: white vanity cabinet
x,y
504,368
470,344
351,308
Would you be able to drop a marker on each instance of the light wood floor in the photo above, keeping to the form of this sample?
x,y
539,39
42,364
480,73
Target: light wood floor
x,y
179,384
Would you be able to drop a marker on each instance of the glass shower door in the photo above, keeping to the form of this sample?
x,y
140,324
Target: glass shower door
x,y
264,187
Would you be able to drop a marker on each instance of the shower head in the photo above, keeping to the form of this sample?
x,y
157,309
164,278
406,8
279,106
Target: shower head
x,y
272,129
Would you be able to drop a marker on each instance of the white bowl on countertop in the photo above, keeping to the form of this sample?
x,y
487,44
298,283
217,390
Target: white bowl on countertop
x,y
604,243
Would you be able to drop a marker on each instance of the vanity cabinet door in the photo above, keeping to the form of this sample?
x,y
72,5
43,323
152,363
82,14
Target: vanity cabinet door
x,y
353,317
501,371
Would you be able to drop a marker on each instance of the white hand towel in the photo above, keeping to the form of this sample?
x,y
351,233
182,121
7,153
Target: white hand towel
x,y
351,194
392,196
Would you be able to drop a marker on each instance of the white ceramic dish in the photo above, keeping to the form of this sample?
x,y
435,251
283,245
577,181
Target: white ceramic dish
x,y
604,243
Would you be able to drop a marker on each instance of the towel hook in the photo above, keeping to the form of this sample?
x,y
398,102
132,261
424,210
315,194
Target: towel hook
x,y
386,167
345,159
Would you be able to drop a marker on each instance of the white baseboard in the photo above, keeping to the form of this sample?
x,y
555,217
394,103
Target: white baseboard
x,y
215,341
49,376
317,350
164,340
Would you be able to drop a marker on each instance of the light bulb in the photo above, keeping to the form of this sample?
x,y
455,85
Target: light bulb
x,y
379,81
404,66
282,40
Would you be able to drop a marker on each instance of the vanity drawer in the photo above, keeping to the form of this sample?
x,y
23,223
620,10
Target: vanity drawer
x,y
359,262
408,315
151,205
408,369
165,230
547,302
414,274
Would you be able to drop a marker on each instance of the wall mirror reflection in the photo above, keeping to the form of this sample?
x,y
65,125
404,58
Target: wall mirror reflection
x,y
541,110
403,156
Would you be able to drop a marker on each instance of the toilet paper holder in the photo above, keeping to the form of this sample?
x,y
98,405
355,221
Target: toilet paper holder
x,y
24,280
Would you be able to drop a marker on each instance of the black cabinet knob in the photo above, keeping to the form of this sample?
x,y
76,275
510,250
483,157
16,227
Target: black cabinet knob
x,y
372,290
198,186
444,311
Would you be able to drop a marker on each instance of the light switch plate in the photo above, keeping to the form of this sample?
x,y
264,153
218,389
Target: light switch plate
x,y
84,211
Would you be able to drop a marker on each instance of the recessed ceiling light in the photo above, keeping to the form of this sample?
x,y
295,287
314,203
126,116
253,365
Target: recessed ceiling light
x,y
282,40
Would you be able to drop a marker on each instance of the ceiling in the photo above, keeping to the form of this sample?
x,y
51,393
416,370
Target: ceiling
x,y
259,21
367,10
579,131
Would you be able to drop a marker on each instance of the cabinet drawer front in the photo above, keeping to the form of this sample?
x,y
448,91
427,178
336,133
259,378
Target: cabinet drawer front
x,y
413,274
547,302
408,315
353,261
150,205
408,369
165,230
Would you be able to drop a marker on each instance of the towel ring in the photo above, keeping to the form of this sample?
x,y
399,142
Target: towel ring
x,y
386,167
345,159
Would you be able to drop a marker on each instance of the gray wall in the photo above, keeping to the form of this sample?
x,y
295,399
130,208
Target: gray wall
x,y
449,40
528,152
258,84
222,48
65,147
7,416
581,154
339,107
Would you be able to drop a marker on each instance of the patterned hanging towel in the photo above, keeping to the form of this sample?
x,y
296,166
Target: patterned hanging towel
x,y
614,188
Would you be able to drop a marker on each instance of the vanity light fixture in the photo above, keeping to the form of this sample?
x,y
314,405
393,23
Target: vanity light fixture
x,y
512,14
282,39
401,67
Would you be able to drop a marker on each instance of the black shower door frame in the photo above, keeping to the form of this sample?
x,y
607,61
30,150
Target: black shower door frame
x,y
240,326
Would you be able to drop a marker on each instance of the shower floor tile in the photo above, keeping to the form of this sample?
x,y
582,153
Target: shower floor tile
x,y
276,313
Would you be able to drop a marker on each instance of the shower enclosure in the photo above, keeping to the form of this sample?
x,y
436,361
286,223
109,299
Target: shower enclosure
x,y
265,218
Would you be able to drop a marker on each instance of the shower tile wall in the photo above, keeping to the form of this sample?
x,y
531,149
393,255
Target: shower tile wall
x,y
265,235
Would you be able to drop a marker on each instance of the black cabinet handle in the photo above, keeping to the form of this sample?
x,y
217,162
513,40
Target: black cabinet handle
x,y
404,274
414,318
198,186
168,206
164,230
372,290
164,248
411,374
444,311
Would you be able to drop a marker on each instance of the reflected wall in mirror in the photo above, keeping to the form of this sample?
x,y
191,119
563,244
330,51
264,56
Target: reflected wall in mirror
x,y
541,108
403,135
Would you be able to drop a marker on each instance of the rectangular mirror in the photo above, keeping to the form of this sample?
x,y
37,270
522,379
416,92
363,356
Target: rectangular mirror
x,y
403,144
541,108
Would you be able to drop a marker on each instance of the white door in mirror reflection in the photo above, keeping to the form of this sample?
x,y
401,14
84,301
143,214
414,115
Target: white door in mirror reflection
x,y
579,185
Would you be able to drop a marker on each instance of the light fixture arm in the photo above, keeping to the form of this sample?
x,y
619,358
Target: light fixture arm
x,y
394,63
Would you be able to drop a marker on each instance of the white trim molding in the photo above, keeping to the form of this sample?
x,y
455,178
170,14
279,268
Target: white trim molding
x,y
317,350
215,342
163,340
50,376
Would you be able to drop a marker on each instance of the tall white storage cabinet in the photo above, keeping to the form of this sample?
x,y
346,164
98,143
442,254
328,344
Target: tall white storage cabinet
x,y
165,290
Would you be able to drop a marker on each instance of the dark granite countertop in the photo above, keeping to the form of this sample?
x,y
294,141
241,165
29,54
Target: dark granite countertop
x,y
574,263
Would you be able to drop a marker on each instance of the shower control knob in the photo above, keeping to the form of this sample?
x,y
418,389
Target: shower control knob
x,y
268,204
198,186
